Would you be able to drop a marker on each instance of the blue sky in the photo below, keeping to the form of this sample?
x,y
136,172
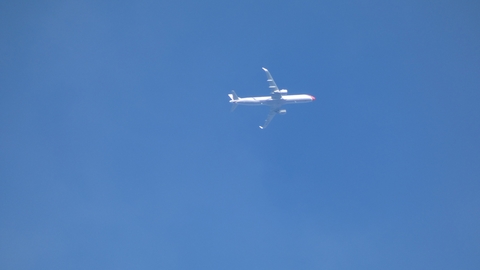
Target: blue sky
x,y
118,149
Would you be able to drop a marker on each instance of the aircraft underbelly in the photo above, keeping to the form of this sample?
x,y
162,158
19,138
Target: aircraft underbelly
x,y
257,101
297,98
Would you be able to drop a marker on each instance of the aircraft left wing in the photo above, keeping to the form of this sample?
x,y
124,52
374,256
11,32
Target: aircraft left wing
x,y
271,114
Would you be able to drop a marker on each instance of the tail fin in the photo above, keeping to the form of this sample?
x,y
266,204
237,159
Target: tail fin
x,y
233,96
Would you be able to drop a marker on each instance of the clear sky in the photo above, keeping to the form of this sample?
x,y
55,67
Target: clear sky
x,y
118,149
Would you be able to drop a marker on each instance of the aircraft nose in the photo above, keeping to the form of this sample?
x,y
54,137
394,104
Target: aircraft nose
x,y
313,98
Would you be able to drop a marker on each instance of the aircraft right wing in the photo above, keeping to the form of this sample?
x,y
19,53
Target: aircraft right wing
x,y
271,114
271,83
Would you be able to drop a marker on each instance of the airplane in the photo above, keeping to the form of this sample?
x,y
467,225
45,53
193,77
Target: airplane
x,y
278,98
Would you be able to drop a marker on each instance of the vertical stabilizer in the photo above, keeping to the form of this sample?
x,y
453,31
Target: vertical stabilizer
x,y
233,96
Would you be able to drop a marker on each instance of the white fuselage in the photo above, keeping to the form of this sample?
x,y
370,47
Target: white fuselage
x,y
269,101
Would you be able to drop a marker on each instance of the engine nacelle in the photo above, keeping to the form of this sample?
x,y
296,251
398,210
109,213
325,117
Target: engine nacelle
x,y
282,111
281,92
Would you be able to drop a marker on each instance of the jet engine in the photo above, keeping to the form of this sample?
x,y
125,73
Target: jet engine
x,y
281,92
282,111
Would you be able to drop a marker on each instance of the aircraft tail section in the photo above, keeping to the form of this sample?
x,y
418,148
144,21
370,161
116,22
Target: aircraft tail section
x,y
233,96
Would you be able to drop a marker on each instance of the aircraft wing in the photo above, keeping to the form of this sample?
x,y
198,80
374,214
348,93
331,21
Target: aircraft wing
x,y
271,114
271,83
